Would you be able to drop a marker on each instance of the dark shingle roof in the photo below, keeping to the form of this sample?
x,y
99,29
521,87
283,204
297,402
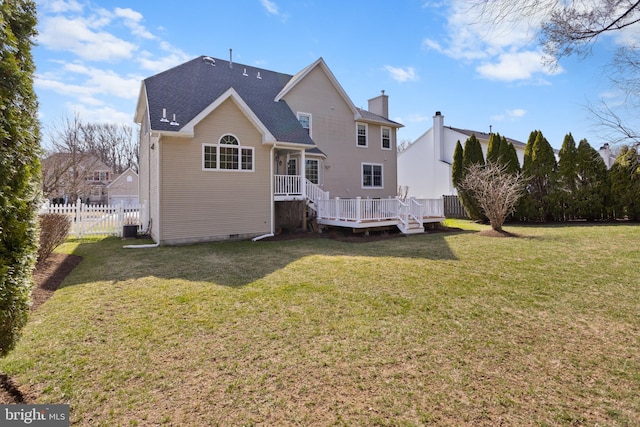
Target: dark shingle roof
x,y
485,136
189,88
369,116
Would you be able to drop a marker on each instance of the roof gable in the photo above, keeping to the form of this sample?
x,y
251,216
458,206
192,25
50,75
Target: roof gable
x,y
319,63
232,94
123,175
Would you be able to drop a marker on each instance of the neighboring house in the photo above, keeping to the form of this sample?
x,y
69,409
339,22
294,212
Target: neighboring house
x,y
226,150
607,156
425,165
123,190
69,176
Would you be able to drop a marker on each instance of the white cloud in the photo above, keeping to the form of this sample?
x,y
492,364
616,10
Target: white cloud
x,y
132,20
516,66
402,75
157,65
504,50
60,6
273,9
89,86
517,113
513,115
76,36
101,115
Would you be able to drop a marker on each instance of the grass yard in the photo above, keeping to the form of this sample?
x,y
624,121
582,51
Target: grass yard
x,y
443,329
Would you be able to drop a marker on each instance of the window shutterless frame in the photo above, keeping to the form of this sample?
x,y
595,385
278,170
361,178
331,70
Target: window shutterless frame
x,y
227,155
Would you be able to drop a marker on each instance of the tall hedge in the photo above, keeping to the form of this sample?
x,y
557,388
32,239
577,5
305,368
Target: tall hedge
x,y
567,178
457,169
592,189
540,171
625,184
19,167
471,155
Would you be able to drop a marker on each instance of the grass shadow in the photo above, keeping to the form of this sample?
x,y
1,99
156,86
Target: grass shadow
x,y
235,263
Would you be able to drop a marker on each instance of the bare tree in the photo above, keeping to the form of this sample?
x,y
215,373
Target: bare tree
x,y
496,190
62,174
77,150
112,144
568,27
572,27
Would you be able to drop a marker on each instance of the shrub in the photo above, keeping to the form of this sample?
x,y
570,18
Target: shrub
x,y
19,168
54,229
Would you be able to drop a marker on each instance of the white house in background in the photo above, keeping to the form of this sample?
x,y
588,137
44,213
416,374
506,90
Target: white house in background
x,y
124,189
425,166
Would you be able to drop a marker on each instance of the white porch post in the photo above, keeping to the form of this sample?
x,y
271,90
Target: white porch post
x,y
303,173
358,210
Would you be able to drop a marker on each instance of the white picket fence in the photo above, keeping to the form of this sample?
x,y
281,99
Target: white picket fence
x,y
96,220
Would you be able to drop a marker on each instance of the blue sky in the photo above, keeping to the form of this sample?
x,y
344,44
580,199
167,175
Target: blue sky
x,y
428,56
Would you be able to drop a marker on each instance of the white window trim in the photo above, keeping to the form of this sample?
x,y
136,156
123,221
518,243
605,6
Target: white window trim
x,y
366,135
371,187
382,129
295,162
317,161
239,147
302,113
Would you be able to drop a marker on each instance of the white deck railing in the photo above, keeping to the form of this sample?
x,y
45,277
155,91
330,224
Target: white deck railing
x,y
292,185
360,209
287,185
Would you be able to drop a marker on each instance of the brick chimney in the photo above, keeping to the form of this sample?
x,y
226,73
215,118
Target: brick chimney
x,y
380,105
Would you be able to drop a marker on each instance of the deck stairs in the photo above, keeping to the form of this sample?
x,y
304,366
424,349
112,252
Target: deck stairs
x,y
413,227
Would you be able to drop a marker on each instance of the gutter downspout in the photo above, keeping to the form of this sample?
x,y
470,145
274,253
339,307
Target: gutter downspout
x,y
271,191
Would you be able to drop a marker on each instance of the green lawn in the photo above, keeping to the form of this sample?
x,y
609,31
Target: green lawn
x,y
443,329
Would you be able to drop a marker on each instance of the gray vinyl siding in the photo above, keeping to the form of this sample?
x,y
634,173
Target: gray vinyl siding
x,y
334,132
211,205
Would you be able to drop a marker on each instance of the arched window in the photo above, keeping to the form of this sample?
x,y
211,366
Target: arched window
x,y
229,152
227,155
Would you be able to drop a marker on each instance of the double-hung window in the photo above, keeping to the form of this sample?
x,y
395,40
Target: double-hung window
x,y
371,175
228,155
386,138
312,171
305,121
361,134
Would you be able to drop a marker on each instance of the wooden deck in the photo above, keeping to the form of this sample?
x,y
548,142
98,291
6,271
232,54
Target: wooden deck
x,y
408,215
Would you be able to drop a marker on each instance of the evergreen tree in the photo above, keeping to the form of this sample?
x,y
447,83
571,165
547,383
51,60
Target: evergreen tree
x,y
508,156
567,177
625,184
471,155
457,170
592,186
539,169
493,148
19,167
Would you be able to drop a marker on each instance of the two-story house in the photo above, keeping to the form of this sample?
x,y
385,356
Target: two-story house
x,y
67,177
224,146
424,167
